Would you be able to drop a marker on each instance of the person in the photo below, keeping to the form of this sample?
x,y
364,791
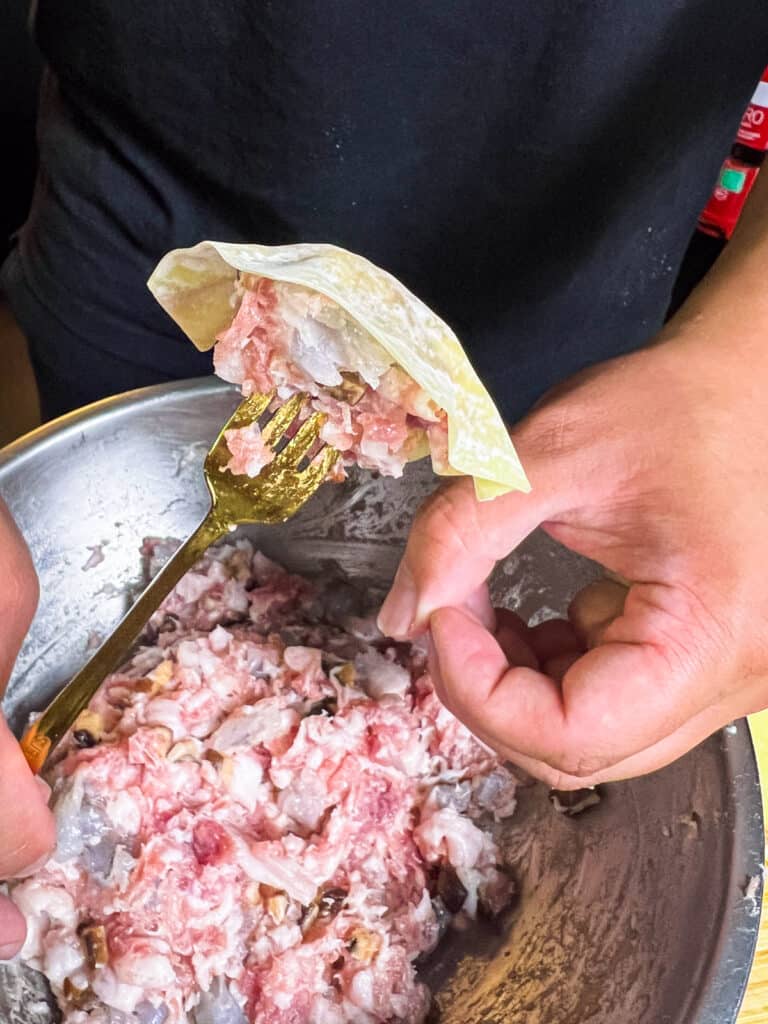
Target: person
x,y
534,176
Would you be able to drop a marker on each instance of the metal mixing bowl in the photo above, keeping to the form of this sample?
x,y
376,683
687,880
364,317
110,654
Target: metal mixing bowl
x,y
634,913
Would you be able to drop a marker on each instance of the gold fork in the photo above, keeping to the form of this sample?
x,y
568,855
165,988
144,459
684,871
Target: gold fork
x,y
277,493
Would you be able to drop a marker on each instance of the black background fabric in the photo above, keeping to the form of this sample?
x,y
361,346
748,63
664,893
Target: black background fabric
x,y
532,171
19,79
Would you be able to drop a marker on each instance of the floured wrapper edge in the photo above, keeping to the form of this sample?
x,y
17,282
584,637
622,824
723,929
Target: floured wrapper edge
x,y
197,288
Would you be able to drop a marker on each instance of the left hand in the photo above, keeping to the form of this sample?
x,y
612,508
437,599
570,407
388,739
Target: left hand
x,y
656,466
27,829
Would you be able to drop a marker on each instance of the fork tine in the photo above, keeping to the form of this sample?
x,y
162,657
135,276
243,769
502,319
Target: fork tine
x,y
282,419
247,412
301,443
318,469
250,409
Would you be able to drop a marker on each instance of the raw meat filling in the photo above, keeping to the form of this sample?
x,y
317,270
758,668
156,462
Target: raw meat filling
x,y
289,339
266,816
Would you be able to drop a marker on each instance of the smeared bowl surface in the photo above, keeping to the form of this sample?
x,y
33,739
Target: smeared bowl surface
x,y
635,911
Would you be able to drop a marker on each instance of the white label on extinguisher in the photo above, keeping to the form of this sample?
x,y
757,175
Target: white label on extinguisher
x,y
760,99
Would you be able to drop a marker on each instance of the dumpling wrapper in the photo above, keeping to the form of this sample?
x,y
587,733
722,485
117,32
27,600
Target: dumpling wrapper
x,y
197,288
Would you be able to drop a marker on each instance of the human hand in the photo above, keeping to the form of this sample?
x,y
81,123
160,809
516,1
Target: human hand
x,y
655,466
27,830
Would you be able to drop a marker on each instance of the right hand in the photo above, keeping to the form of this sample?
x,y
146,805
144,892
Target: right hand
x,y
27,831
652,466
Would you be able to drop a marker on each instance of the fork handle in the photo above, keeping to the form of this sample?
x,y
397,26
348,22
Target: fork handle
x,y
44,733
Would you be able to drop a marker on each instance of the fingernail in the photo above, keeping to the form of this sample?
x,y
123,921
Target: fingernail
x,y
397,615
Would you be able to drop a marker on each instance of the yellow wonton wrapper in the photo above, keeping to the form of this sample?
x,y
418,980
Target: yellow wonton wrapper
x,y
196,287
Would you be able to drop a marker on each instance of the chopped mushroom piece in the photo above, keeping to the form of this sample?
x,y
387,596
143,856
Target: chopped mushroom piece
x,y
94,938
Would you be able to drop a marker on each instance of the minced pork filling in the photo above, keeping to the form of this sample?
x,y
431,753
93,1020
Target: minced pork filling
x,y
288,339
265,816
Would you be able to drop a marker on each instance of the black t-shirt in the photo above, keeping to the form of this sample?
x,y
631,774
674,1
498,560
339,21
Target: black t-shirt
x,y
533,171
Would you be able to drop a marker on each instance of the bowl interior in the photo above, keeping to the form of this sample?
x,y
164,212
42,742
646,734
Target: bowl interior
x,y
632,912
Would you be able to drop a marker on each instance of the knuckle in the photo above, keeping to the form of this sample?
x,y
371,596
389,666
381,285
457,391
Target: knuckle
x,y
448,518
554,778
578,766
554,429
566,764
454,529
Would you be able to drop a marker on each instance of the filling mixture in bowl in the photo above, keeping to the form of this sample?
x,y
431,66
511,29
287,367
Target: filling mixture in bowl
x,y
290,339
266,816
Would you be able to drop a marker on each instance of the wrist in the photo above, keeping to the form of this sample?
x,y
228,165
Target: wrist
x,y
727,314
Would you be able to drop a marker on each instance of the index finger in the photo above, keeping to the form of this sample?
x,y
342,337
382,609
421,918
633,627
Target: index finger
x,y
453,545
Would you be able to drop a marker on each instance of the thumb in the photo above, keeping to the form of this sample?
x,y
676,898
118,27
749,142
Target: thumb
x,y
27,832
24,805
456,540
